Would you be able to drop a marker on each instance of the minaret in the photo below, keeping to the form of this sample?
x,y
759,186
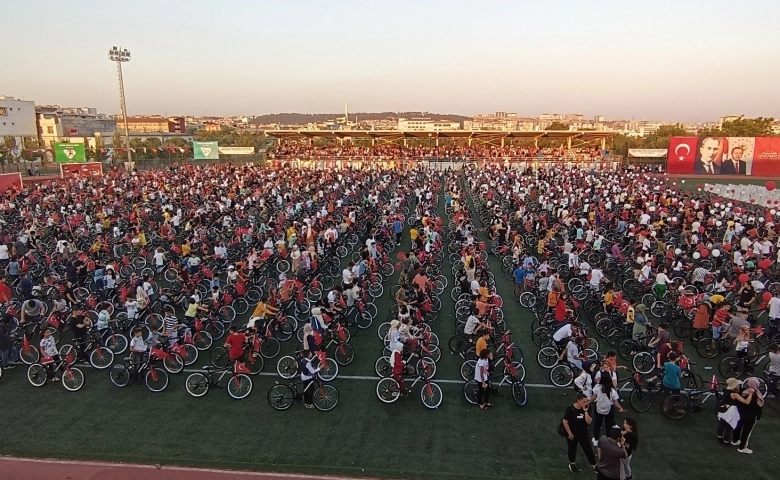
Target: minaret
x,y
346,111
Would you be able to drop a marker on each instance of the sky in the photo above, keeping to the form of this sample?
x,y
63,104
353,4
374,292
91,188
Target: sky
x,y
685,61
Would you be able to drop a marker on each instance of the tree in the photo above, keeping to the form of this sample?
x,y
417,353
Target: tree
x,y
660,139
557,126
742,127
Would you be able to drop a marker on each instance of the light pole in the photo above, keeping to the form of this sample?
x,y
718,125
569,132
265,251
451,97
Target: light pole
x,y
119,55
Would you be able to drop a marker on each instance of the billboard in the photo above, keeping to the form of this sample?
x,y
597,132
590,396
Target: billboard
x,y
68,170
10,180
724,155
647,152
69,152
236,150
205,150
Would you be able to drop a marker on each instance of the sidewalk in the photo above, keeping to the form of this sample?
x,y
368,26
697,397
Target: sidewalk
x,y
12,468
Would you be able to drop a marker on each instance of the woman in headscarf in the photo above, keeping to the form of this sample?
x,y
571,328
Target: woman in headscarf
x,y
748,414
728,417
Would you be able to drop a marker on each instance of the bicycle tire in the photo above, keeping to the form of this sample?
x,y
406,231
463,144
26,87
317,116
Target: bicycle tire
x,y
643,362
675,406
270,348
119,375
731,367
431,395
709,348
344,354
561,375
287,367
387,390
326,397
156,379
101,358
519,393
72,379
467,369
117,343
202,340
470,391
330,371
36,375
281,397
197,384
239,386
425,366
382,367
254,363
641,399
547,357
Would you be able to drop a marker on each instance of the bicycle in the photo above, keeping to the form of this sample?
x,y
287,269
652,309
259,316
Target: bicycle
x,y
677,406
509,377
100,357
289,366
641,395
71,378
124,374
232,378
282,396
734,366
390,389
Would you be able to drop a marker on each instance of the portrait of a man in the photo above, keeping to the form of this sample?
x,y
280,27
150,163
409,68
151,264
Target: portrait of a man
x,y
708,156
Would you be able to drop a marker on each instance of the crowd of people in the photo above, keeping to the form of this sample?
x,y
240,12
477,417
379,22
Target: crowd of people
x,y
601,230
395,151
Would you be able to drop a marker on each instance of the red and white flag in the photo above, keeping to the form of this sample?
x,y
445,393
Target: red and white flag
x,y
681,156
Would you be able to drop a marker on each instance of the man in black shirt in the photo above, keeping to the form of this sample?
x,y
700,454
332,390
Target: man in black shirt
x,y
79,324
575,425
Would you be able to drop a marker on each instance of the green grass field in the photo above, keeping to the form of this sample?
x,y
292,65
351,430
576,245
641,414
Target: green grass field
x,y
361,437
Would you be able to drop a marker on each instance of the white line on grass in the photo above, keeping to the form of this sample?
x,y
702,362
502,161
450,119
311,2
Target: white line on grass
x,y
365,377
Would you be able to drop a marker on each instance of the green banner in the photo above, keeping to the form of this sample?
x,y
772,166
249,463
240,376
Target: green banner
x,y
69,152
205,150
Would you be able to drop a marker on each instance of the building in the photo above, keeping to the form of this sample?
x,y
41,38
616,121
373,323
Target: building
x,y
500,121
728,118
212,127
17,118
144,124
426,125
55,124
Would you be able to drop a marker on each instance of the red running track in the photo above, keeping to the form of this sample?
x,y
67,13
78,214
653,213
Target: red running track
x,y
32,469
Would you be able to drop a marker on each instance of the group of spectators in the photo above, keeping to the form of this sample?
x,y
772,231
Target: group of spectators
x,y
394,151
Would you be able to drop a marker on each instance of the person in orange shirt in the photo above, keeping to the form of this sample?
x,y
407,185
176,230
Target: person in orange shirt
x,y
552,300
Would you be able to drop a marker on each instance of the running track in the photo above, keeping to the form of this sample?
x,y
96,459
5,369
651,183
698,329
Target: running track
x,y
31,469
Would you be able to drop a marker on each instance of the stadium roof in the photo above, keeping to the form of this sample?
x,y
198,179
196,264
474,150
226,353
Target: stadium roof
x,y
480,134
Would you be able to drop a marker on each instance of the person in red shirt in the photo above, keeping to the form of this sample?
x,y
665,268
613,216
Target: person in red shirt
x,y
5,291
561,309
235,344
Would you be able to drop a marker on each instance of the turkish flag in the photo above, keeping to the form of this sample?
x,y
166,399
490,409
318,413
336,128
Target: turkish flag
x,y
681,155
766,156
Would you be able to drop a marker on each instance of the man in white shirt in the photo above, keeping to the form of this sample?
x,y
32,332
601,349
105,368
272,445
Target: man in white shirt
x,y
159,259
347,276
774,310
596,276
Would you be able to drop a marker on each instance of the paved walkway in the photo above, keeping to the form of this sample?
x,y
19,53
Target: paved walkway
x,y
12,468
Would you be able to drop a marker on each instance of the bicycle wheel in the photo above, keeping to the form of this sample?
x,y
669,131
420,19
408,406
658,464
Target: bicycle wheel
x,y
29,354
281,397
326,397
202,340
364,320
197,384
344,354
431,395
383,330
119,375
519,394
72,379
675,406
641,398
330,370
240,305
254,363
190,354
434,352
287,367
561,375
628,348
527,300
284,329
239,386
467,370
708,347
156,379
426,366
37,375
470,391
101,358
643,362
173,363
387,390
731,367
219,357
117,343
270,348
547,357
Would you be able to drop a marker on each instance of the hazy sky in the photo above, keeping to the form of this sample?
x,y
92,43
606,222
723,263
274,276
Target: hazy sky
x,y
665,60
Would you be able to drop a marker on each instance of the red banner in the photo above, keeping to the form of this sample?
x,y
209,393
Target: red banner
x,y
68,170
682,155
10,180
766,157
724,156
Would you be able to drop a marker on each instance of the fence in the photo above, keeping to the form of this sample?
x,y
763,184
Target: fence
x,y
49,168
